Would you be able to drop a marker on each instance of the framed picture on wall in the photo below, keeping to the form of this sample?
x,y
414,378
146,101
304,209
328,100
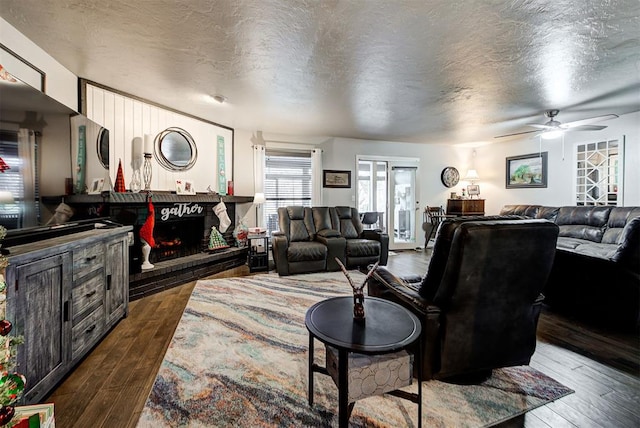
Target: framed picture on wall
x,y
526,171
336,179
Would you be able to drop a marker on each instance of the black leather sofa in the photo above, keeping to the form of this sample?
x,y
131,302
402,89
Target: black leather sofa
x,y
310,239
596,272
480,299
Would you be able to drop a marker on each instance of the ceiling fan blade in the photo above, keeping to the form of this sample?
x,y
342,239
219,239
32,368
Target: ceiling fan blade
x,y
588,121
586,128
542,126
517,133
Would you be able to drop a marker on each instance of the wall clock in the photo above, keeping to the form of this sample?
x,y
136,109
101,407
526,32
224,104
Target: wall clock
x,y
450,176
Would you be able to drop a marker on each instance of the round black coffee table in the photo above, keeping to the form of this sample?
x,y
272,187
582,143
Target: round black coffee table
x,y
388,327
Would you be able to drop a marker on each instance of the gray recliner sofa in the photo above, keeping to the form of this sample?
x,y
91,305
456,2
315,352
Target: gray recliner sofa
x,y
310,239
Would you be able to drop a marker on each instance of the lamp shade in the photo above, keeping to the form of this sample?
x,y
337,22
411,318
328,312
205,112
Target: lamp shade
x,y
6,197
472,175
258,198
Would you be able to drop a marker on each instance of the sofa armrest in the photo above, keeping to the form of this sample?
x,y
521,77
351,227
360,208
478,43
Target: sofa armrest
x,y
336,248
381,237
628,252
280,244
383,283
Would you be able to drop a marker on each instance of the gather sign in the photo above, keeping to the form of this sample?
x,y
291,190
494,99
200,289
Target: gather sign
x,y
180,210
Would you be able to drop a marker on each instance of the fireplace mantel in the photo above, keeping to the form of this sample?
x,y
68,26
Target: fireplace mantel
x,y
141,198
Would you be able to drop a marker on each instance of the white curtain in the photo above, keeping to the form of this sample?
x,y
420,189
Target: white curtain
x,y
258,179
27,153
316,177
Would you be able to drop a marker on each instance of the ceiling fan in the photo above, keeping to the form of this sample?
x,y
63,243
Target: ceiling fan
x,y
553,128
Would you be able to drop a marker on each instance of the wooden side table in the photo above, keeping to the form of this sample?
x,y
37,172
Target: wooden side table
x,y
460,207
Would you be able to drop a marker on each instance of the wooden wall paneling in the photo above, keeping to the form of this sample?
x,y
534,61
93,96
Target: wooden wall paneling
x,y
118,133
134,117
109,123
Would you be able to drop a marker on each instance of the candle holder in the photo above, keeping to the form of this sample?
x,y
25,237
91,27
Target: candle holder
x,y
136,182
146,172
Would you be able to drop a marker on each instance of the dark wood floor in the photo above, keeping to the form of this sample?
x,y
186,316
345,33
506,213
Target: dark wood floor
x,y
110,386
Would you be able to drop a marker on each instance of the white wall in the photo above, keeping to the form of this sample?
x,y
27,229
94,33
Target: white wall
x,y
491,159
340,153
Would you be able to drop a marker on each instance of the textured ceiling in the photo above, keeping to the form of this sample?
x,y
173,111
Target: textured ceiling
x,y
424,71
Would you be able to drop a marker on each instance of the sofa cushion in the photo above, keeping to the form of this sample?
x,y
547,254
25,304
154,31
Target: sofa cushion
x,y
529,211
567,243
583,222
328,233
297,228
306,251
321,218
363,248
618,219
345,217
548,213
594,249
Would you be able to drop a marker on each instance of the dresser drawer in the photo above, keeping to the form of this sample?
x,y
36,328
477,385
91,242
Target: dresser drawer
x,y
88,259
87,332
87,295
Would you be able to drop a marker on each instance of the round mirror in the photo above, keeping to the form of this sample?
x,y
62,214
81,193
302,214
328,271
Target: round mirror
x,y
175,149
102,143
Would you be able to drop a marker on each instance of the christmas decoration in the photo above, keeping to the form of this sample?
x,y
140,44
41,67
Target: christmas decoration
x,y
220,210
216,240
146,236
11,384
119,186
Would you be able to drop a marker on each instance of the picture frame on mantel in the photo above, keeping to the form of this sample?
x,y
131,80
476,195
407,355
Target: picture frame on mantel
x,y
332,178
526,171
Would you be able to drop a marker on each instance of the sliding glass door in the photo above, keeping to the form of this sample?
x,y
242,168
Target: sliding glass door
x,y
404,206
389,187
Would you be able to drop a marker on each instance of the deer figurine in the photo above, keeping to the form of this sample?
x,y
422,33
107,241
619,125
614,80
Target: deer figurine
x,y
358,293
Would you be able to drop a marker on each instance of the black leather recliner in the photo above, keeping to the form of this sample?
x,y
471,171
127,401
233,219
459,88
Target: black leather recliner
x,y
363,246
481,297
294,247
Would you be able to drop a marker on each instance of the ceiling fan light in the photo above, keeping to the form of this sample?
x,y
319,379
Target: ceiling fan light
x,y
552,134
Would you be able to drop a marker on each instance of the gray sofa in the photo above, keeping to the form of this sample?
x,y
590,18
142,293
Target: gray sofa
x,y
596,272
310,239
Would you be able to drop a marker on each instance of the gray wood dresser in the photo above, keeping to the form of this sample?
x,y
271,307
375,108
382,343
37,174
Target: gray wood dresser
x,y
63,295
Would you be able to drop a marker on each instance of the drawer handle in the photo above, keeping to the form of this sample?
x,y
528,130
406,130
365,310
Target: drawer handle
x,y
91,258
90,293
90,329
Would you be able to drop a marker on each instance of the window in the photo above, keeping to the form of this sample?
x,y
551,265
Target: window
x,y
599,173
11,180
287,182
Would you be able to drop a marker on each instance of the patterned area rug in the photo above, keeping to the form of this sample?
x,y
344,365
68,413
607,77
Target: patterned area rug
x,y
239,358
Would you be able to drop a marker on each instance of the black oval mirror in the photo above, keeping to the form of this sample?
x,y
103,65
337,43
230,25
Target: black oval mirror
x,y
175,149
